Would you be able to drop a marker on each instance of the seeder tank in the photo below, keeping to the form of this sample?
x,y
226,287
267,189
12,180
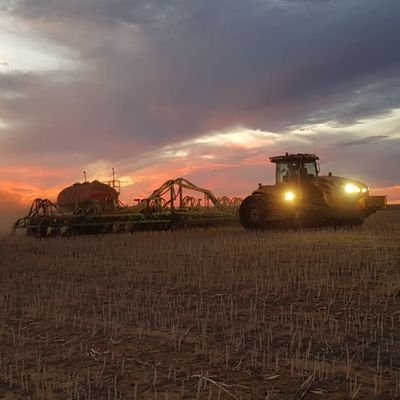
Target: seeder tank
x,y
83,194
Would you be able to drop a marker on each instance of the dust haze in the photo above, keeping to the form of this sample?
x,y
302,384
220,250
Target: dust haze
x,y
11,208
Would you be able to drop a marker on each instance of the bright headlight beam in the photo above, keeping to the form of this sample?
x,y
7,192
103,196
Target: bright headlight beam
x,y
289,196
351,188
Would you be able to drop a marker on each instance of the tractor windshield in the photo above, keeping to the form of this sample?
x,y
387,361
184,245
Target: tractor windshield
x,y
311,169
292,171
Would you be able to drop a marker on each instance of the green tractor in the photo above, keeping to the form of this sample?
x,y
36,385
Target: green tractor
x,y
302,198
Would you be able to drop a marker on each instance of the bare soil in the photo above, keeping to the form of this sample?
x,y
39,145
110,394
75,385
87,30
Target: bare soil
x,y
203,314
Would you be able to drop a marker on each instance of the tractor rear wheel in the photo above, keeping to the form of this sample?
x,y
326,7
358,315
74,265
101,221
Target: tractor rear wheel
x,y
252,212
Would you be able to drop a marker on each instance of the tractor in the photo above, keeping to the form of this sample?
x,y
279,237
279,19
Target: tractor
x,y
303,198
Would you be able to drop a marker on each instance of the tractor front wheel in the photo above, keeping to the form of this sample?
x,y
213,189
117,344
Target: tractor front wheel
x,y
253,212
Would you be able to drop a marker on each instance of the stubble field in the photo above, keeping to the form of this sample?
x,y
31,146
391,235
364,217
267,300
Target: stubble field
x,y
203,314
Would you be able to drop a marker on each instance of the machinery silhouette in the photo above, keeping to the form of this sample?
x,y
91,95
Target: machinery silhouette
x,y
301,197
94,208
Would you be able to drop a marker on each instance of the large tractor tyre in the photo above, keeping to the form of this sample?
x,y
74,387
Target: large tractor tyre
x,y
253,212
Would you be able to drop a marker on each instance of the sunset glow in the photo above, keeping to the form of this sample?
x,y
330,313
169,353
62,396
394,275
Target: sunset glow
x,y
91,87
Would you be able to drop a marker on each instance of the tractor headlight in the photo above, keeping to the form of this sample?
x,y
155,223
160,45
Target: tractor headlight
x,y
351,188
289,196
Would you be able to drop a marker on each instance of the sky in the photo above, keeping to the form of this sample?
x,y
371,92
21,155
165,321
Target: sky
x,y
205,90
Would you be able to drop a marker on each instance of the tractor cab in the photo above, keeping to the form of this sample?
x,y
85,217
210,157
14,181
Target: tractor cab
x,y
295,168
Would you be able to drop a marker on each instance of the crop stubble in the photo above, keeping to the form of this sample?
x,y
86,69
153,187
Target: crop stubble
x,y
203,314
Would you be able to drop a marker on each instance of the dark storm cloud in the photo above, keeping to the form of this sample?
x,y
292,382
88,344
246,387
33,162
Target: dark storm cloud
x,y
377,165
156,72
363,100
365,140
138,11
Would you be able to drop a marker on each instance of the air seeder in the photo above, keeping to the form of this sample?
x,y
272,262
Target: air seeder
x,y
94,208
301,197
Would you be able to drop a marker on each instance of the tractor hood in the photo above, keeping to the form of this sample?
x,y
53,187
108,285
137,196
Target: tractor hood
x,y
340,183
339,193
338,190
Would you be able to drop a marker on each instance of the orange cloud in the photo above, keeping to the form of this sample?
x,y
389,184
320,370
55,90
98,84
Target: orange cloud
x,y
27,182
27,192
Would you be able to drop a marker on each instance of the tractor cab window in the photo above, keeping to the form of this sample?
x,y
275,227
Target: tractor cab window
x,y
286,172
310,168
293,171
